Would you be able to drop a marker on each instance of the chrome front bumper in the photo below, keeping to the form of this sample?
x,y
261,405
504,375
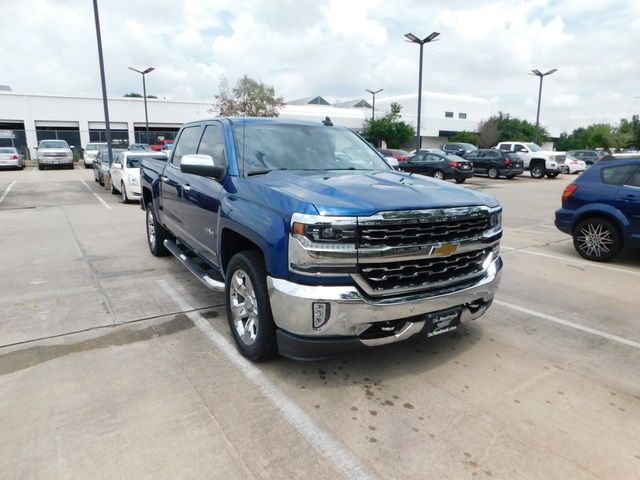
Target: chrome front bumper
x,y
351,313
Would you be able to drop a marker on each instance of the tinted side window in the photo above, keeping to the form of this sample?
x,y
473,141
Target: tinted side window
x,y
505,146
187,144
212,144
433,158
417,158
617,175
474,154
634,181
494,155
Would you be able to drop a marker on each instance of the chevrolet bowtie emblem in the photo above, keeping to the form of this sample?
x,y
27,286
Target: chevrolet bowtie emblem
x,y
446,249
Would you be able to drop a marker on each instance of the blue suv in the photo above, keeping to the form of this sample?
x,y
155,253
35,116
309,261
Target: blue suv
x,y
601,209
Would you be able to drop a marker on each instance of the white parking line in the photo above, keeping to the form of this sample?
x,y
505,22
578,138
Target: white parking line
x,y
569,259
34,169
327,446
567,323
105,204
7,190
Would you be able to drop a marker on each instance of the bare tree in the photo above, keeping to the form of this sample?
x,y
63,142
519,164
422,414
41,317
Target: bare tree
x,y
488,133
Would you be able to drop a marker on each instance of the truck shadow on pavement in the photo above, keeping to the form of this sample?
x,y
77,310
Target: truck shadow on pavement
x,y
21,359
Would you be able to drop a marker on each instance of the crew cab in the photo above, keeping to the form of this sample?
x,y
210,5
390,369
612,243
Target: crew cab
x,y
538,161
319,246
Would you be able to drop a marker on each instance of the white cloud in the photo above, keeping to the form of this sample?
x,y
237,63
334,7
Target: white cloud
x,y
338,49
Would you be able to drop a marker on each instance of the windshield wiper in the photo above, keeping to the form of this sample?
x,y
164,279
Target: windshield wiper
x,y
263,172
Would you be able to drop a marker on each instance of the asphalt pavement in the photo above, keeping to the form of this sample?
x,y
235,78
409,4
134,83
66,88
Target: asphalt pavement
x,y
117,364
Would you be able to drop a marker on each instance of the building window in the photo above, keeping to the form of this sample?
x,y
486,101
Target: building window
x,y
462,115
448,114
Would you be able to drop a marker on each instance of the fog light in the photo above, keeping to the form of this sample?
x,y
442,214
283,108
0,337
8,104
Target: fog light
x,y
321,314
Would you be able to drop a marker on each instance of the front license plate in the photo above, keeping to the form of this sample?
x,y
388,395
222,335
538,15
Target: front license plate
x,y
443,321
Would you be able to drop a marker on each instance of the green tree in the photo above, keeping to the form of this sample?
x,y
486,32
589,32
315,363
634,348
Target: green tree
x,y
137,95
389,128
249,97
517,129
465,137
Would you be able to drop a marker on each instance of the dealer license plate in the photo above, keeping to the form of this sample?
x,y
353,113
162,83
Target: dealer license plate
x,y
443,321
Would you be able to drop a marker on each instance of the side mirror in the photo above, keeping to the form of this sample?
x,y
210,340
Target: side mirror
x,y
202,165
392,162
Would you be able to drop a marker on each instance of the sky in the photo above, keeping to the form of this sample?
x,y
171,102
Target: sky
x,y
337,49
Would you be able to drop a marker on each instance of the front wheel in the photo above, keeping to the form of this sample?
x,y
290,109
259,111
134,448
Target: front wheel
x,y
248,308
156,235
123,192
597,239
438,175
461,180
538,170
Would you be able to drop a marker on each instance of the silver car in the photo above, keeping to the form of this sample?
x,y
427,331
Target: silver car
x,y
54,152
11,157
91,152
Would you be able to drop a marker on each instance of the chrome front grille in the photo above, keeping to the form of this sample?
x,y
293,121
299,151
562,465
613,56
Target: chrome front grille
x,y
422,274
410,234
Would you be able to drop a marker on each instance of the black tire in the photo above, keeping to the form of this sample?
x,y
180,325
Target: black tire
x,y
113,190
438,175
597,239
123,193
461,180
156,244
101,180
493,173
262,329
40,167
538,170
510,177
552,175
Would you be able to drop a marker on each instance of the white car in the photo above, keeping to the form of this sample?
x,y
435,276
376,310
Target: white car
x,y
125,173
10,157
573,165
91,152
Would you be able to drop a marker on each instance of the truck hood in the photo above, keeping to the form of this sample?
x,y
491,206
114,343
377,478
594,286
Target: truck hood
x,y
350,193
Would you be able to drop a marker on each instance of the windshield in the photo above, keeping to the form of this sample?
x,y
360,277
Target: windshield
x,y
138,147
262,148
8,150
533,147
53,144
134,161
94,146
468,147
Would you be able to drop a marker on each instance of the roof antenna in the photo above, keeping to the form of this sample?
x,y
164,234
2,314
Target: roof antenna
x,y
327,122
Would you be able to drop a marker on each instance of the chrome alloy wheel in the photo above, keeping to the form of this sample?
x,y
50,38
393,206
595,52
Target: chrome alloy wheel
x,y
151,229
438,175
244,307
595,239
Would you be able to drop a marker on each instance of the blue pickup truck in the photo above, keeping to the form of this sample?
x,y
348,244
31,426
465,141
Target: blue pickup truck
x,y
319,245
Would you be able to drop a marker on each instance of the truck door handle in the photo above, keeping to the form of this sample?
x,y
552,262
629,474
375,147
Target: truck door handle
x,y
164,179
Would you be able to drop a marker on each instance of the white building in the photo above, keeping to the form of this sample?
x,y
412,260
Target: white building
x,y
26,119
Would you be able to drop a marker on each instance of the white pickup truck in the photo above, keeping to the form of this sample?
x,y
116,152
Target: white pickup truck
x,y
538,161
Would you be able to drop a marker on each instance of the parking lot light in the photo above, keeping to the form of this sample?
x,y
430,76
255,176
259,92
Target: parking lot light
x,y
541,75
144,94
102,80
373,109
414,39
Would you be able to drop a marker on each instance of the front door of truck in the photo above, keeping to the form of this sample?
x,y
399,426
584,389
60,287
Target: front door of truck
x,y
201,199
172,179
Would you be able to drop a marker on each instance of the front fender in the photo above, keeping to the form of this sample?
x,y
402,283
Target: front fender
x,y
261,225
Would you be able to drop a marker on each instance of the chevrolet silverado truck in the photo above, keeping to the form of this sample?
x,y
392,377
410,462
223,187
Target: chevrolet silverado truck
x,y
538,161
319,246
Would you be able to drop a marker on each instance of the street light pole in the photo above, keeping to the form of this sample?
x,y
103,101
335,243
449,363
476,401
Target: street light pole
x,y
373,110
541,75
413,39
144,93
103,81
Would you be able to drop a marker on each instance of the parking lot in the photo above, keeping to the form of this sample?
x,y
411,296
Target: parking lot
x,y
117,364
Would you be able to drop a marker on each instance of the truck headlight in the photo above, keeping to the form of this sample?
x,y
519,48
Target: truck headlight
x,y
322,245
495,220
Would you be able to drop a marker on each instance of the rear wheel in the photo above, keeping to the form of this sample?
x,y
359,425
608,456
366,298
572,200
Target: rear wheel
x,y
248,307
461,180
493,173
510,177
438,175
113,190
597,239
156,235
552,175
